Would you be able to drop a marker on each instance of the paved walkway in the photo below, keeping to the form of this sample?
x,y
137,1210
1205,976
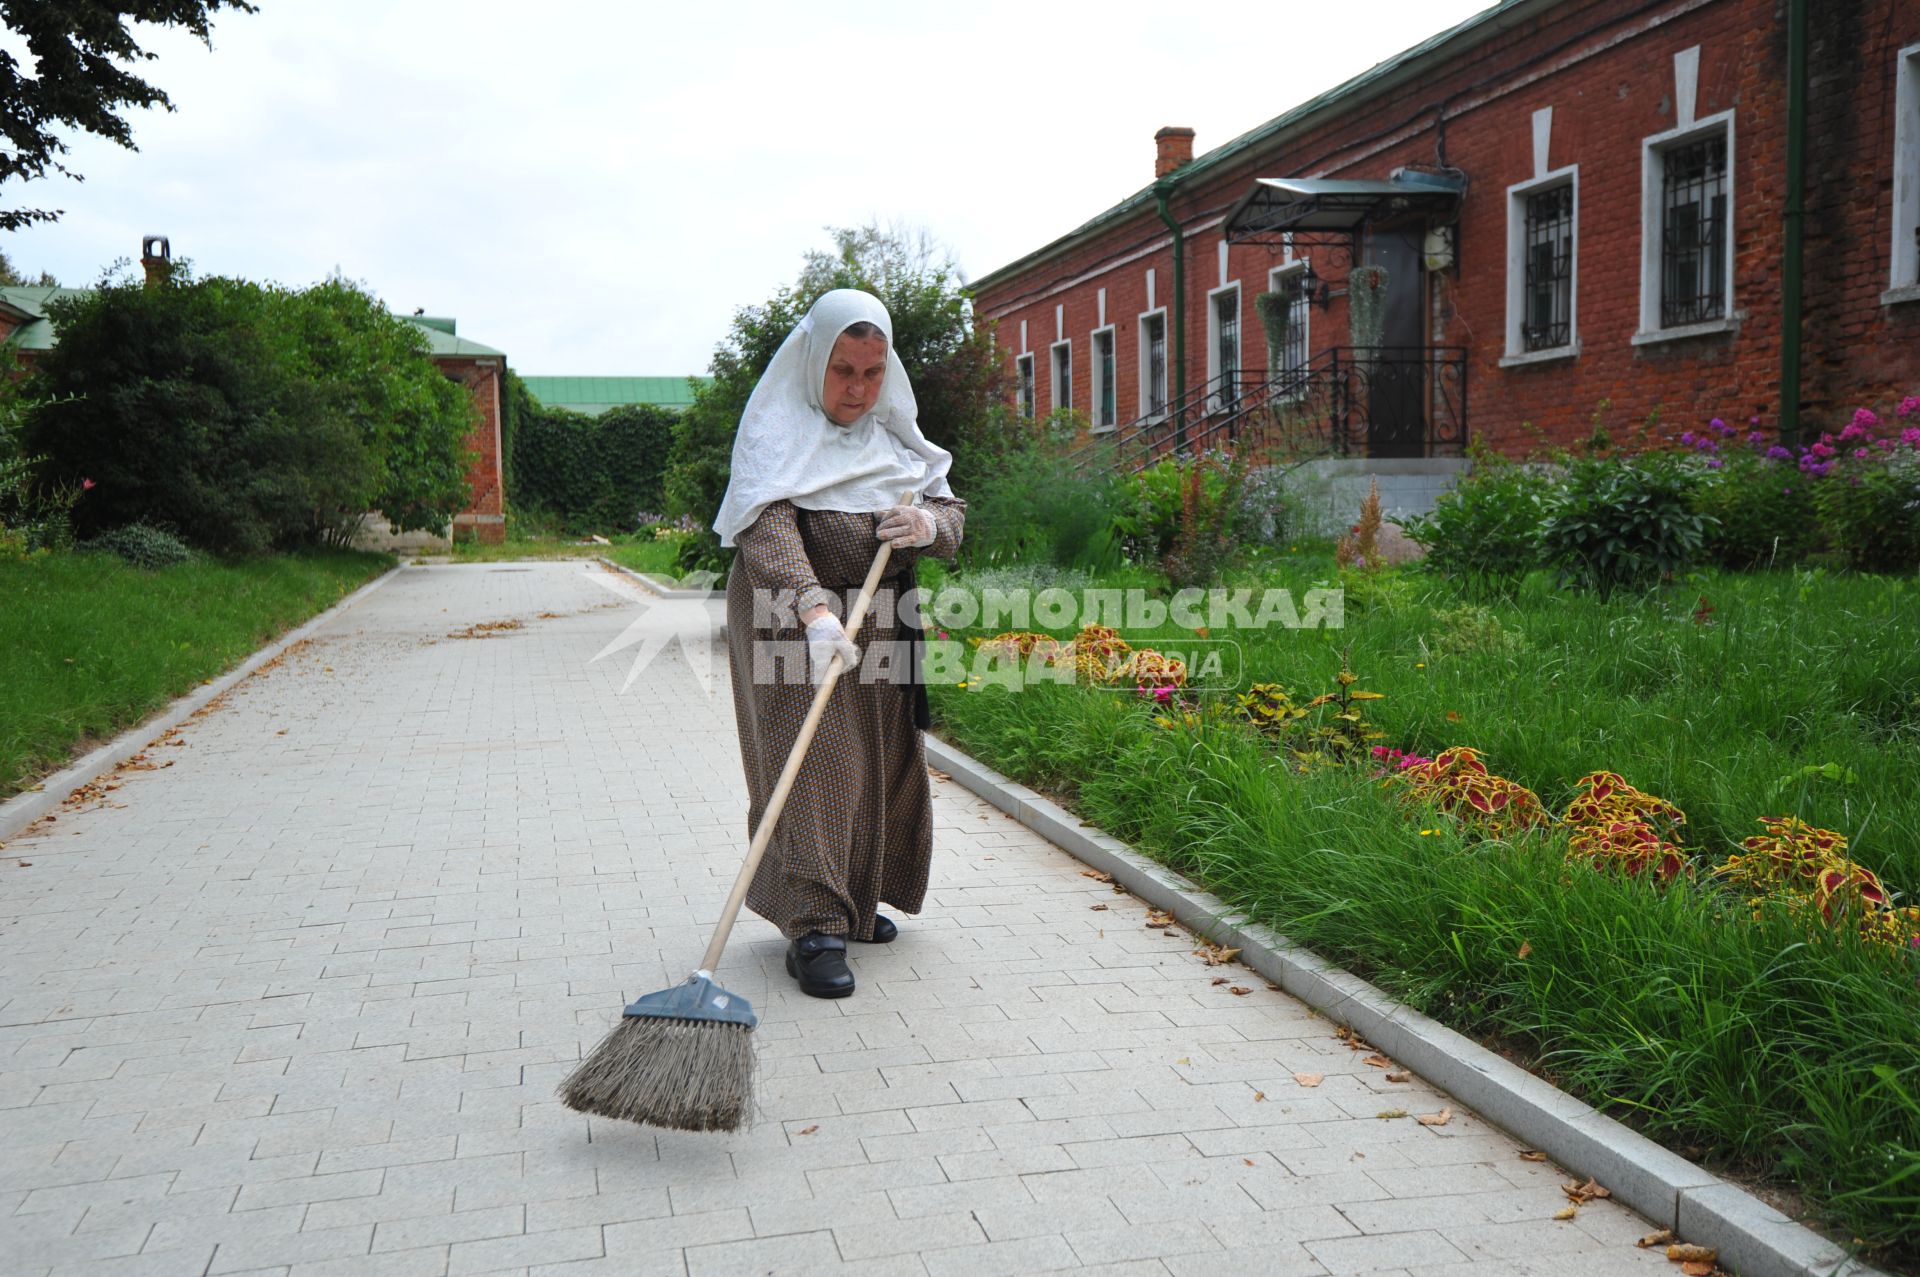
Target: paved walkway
x,y
294,999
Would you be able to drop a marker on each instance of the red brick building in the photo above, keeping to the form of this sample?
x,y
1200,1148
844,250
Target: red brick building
x,y
1557,204
24,323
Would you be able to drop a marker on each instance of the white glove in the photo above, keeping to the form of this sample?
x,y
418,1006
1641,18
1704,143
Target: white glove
x,y
826,639
906,525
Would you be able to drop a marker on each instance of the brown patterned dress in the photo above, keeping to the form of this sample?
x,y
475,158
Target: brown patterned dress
x,y
857,831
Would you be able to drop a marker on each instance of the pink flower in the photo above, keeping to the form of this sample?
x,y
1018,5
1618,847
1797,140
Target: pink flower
x,y
1911,436
942,633
1861,454
1909,406
86,484
1865,418
1822,449
1854,430
1163,694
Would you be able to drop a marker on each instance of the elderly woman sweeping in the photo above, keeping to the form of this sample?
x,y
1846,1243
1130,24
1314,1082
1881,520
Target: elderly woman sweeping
x,y
829,462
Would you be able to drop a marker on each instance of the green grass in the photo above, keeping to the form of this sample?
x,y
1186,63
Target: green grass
x,y
642,554
1744,1043
90,646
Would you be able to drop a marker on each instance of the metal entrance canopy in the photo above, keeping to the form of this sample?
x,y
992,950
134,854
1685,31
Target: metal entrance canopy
x,y
1311,207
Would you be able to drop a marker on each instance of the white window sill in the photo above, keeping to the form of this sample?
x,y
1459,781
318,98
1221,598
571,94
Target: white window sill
x,y
1555,355
1101,430
1684,331
1894,296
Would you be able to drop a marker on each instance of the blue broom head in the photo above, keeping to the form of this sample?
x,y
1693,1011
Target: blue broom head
x,y
698,999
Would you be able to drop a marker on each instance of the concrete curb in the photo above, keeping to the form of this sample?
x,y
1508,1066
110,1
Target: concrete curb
x,y
1753,1239
24,809
654,583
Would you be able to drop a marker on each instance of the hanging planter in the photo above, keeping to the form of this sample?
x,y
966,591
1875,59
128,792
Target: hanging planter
x,y
1366,308
1276,319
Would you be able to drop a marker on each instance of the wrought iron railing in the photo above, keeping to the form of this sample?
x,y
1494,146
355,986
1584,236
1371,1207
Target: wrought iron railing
x,y
1378,401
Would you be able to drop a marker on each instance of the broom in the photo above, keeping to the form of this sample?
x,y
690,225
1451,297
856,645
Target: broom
x,y
682,1058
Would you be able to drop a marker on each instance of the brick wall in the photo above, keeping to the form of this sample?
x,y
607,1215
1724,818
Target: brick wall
x,y
1606,68
483,519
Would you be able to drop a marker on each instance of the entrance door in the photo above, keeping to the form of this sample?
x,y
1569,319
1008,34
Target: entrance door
x,y
1397,383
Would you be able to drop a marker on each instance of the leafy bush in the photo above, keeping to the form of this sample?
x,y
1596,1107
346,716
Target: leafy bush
x,y
1038,505
1187,516
1486,531
142,546
594,473
247,417
1624,524
1468,630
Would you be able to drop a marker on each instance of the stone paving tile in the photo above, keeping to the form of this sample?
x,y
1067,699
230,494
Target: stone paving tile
x,y
298,1003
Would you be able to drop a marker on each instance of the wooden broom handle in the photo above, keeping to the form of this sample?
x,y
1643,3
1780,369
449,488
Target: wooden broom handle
x,y
731,911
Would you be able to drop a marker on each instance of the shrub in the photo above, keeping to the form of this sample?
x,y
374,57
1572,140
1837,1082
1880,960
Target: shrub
x,y
1485,532
247,417
1468,630
1624,524
1186,515
593,473
1869,490
141,545
1039,505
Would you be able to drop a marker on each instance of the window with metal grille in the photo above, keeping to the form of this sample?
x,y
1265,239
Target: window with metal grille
x,y
1547,321
1290,363
1693,232
1062,376
1226,327
1103,409
1154,351
1024,369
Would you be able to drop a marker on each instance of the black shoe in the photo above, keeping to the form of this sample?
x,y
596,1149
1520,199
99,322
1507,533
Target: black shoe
x,y
819,963
884,931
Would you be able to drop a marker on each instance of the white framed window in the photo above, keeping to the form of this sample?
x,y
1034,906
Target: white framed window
x,y
1903,280
1106,412
1153,363
1686,231
1223,345
1543,275
1023,378
1288,364
1062,375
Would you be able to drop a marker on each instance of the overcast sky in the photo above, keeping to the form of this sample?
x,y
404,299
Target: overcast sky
x,y
593,187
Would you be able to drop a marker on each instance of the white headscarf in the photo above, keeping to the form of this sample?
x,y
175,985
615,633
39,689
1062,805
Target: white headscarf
x,y
788,449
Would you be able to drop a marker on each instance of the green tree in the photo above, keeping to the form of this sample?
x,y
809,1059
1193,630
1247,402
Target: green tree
x,y
595,473
78,79
949,359
246,418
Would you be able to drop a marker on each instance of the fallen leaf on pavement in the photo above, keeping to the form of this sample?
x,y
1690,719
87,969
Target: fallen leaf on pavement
x,y
1158,920
1239,990
1436,1119
1249,1161
1581,1194
1697,1268
1259,1096
1680,1251
1566,1212
807,1130
1219,980
1660,1238
1378,1061
1388,1115
1215,955
1309,1079
1402,1076
1096,908
1096,875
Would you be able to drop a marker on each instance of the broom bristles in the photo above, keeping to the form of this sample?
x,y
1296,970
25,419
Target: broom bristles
x,y
686,1075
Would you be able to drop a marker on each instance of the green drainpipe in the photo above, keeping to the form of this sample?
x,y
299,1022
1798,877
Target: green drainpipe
x,y
1790,266
1162,192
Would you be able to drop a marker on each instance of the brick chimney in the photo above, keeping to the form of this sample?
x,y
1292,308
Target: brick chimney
x,y
1173,147
157,259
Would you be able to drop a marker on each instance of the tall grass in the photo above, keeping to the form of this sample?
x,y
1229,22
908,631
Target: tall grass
x,y
90,645
1768,1050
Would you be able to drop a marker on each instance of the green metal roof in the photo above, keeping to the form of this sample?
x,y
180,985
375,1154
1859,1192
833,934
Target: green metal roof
x,y
1402,66
36,331
441,342
594,395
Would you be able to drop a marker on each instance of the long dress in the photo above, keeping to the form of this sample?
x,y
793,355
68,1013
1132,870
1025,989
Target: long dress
x,y
857,830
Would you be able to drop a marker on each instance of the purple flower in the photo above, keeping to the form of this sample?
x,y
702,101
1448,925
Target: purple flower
x,y
1686,437
1778,453
1714,463
1753,421
1756,436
